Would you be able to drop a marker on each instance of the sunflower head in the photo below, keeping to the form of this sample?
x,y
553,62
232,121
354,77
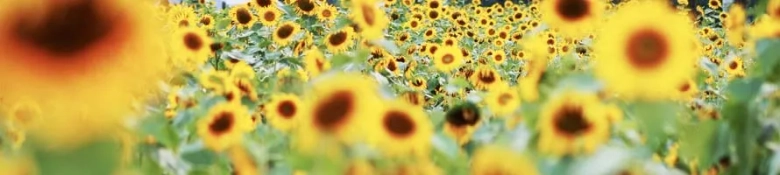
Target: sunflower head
x,y
224,126
402,122
573,122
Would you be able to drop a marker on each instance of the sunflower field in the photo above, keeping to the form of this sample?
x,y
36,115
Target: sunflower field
x,y
390,87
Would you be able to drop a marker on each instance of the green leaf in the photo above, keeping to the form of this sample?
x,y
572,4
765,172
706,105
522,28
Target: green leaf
x,y
163,132
767,65
699,140
656,120
341,60
198,156
743,90
97,158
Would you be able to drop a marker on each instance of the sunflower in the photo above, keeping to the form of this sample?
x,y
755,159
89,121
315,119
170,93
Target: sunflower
x,y
339,41
207,22
414,25
430,34
734,68
415,98
285,32
241,161
401,122
87,50
224,126
485,78
339,106
653,50
181,16
191,45
283,111
574,18
305,7
461,121
327,13
773,9
418,83
24,114
242,17
269,16
499,57
315,62
495,159
714,4
370,19
447,59
687,90
571,123
503,100
264,3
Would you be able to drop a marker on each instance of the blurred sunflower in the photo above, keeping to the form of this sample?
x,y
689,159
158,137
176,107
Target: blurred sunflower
x,y
327,13
461,121
242,17
224,126
495,159
418,83
305,7
401,122
653,53
314,62
83,50
264,3
241,161
339,41
574,18
734,68
413,97
571,123
503,100
339,105
485,78
285,32
447,59
773,9
269,16
370,19
191,46
284,111
181,16
688,90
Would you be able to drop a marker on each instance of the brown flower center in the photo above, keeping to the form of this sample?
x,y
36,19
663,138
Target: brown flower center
x,y
504,98
462,117
222,124
269,16
733,65
305,5
334,110
193,41
570,121
338,38
447,59
647,49
243,16
399,124
205,20
287,109
285,31
572,10
66,28
264,3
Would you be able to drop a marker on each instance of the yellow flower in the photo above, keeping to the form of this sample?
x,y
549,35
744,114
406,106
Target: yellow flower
x,y
242,17
645,50
284,111
327,13
339,41
241,162
447,59
370,19
494,159
401,122
503,100
305,7
571,123
191,46
485,78
315,62
285,32
734,68
224,126
269,16
574,18
461,121
100,53
339,105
